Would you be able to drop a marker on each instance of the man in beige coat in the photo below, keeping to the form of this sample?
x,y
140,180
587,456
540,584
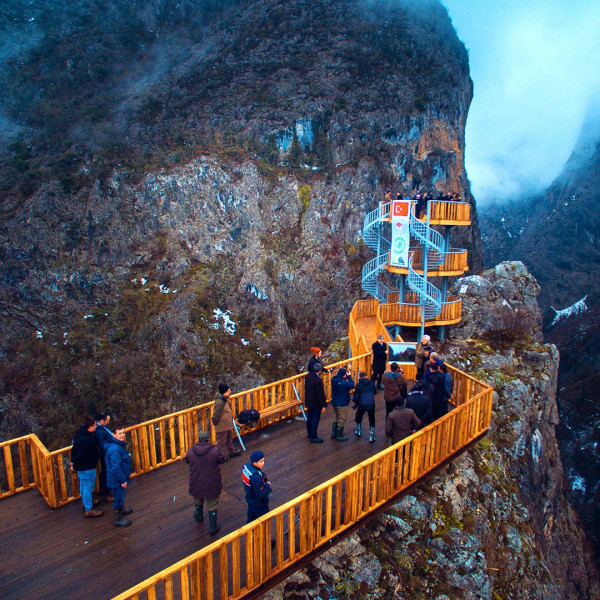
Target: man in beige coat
x,y
222,419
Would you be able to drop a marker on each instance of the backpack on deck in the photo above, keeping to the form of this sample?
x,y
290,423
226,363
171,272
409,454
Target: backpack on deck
x,y
249,417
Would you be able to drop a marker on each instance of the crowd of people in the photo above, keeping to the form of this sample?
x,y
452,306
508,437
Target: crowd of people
x,y
406,410
96,449
422,198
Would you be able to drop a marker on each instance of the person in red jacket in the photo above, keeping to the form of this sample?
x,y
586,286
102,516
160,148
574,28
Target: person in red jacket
x,y
205,479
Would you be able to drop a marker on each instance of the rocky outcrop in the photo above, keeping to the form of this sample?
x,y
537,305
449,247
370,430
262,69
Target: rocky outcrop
x,y
495,523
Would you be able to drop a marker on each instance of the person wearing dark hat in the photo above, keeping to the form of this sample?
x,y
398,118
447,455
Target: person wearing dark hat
x,y
379,349
222,419
364,398
420,402
315,402
256,486
341,384
205,479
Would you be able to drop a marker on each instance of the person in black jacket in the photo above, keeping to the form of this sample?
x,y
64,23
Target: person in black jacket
x,y
257,487
84,458
103,435
438,398
315,401
364,398
379,349
420,402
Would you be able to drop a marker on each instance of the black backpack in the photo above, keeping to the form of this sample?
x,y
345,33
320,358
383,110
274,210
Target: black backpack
x,y
249,417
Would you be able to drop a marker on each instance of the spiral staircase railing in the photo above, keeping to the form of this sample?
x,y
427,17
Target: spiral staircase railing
x,y
430,297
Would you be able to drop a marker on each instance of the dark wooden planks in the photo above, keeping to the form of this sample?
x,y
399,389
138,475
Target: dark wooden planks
x,y
58,553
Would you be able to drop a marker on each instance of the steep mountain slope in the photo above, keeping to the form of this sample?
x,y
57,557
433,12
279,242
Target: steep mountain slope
x,y
166,159
558,237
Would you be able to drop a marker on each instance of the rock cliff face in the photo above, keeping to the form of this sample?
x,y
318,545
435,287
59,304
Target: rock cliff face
x,y
495,523
557,237
237,152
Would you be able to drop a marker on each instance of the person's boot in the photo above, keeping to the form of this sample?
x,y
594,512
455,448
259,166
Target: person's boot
x,y
372,434
126,511
357,431
199,513
119,521
340,437
334,429
213,526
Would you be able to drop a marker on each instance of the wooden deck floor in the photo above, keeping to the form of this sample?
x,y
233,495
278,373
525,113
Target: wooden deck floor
x,y
60,554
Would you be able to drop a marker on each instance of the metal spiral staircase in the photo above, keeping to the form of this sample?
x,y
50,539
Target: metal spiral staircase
x,y
430,297
434,253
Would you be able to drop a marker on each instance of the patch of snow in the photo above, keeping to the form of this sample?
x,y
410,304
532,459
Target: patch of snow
x,y
571,311
88,316
163,289
245,342
252,289
536,445
39,335
578,483
228,323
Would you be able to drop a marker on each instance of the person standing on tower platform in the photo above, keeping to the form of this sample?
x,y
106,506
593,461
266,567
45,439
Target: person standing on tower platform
x,y
379,349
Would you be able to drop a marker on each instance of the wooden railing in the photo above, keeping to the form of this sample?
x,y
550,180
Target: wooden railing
x,y
449,212
26,463
248,557
455,261
440,211
407,313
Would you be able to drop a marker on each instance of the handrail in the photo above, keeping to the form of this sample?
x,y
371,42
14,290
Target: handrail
x,y
27,463
246,558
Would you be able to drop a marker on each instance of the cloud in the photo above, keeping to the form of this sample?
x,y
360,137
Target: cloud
x,y
535,70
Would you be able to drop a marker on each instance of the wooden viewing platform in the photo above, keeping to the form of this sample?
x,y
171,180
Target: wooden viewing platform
x,y
321,491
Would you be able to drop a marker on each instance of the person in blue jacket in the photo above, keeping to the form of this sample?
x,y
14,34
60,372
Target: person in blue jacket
x,y
341,385
118,471
256,486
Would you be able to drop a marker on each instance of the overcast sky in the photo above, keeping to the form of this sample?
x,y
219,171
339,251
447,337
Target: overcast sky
x,y
535,66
